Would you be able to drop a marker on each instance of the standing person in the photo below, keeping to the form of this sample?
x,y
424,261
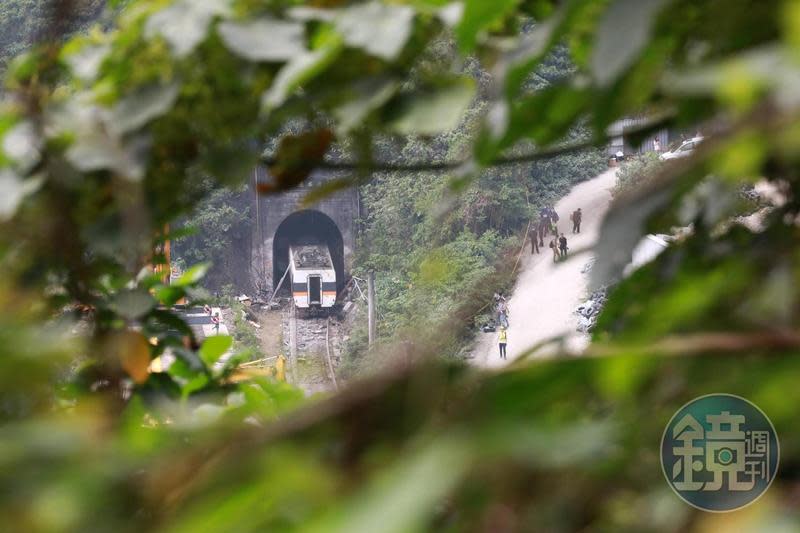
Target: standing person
x,y
562,246
544,224
542,230
576,217
554,248
502,313
503,340
534,242
656,145
554,218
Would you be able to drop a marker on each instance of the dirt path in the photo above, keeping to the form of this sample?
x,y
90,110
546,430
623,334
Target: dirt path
x,y
270,333
546,294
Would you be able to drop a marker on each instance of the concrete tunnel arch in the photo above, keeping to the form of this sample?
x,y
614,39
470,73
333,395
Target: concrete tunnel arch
x,y
308,226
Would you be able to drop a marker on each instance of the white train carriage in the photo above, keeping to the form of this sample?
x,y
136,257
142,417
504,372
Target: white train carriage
x,y
313,276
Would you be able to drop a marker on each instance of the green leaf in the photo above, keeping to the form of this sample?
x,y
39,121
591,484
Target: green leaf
x,y
22,146
366,98
299,70
86,62
12,191
622,229
307,14
432,111
479,15
379,29
547,115
139,108
132,304
579,443
194,384
402,497
264,39
184,24
96,150
270,398
214,347
181,371
169,294
451,13
623,32
192,276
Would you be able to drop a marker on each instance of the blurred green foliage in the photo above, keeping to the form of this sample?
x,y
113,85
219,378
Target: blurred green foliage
x,y
106,139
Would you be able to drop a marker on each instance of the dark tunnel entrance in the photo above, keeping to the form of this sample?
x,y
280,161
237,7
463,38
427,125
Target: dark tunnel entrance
x,y
306,227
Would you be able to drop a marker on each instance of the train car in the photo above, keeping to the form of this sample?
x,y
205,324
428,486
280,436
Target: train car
x,y
313,276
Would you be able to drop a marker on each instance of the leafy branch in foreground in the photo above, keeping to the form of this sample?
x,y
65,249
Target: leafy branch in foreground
x,y
106,139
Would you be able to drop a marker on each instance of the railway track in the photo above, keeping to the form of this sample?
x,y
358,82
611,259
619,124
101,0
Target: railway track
x,y
312,350
331,371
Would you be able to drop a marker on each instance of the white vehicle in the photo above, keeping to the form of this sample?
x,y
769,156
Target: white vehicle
x,y
685,149
313,277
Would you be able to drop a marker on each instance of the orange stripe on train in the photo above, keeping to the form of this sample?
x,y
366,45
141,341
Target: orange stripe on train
x,y
304,293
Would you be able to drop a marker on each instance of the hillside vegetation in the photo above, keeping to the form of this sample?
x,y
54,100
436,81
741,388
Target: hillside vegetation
x,y
432,240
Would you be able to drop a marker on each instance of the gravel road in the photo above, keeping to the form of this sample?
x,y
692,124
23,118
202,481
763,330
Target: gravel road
x,y
546,294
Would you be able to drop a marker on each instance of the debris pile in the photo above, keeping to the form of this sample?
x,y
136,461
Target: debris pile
x,y
589,310
749,192
312,256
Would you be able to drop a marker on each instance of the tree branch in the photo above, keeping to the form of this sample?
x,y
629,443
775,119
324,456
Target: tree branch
x,y
656,121
538,155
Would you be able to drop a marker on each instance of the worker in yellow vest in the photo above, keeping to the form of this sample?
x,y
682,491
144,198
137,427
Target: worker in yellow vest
x,y
503,341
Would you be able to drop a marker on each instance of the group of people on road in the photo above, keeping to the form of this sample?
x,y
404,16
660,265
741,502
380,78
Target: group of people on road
x,y
548,219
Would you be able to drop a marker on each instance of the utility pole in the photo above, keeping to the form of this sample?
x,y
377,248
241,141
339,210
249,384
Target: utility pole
x,y
292,339
371,306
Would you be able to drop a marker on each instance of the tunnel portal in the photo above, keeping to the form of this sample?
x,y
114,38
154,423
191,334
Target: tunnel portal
x,y
307,227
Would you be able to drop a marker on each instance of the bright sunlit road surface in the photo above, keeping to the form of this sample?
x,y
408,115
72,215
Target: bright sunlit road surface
x,y
546,294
